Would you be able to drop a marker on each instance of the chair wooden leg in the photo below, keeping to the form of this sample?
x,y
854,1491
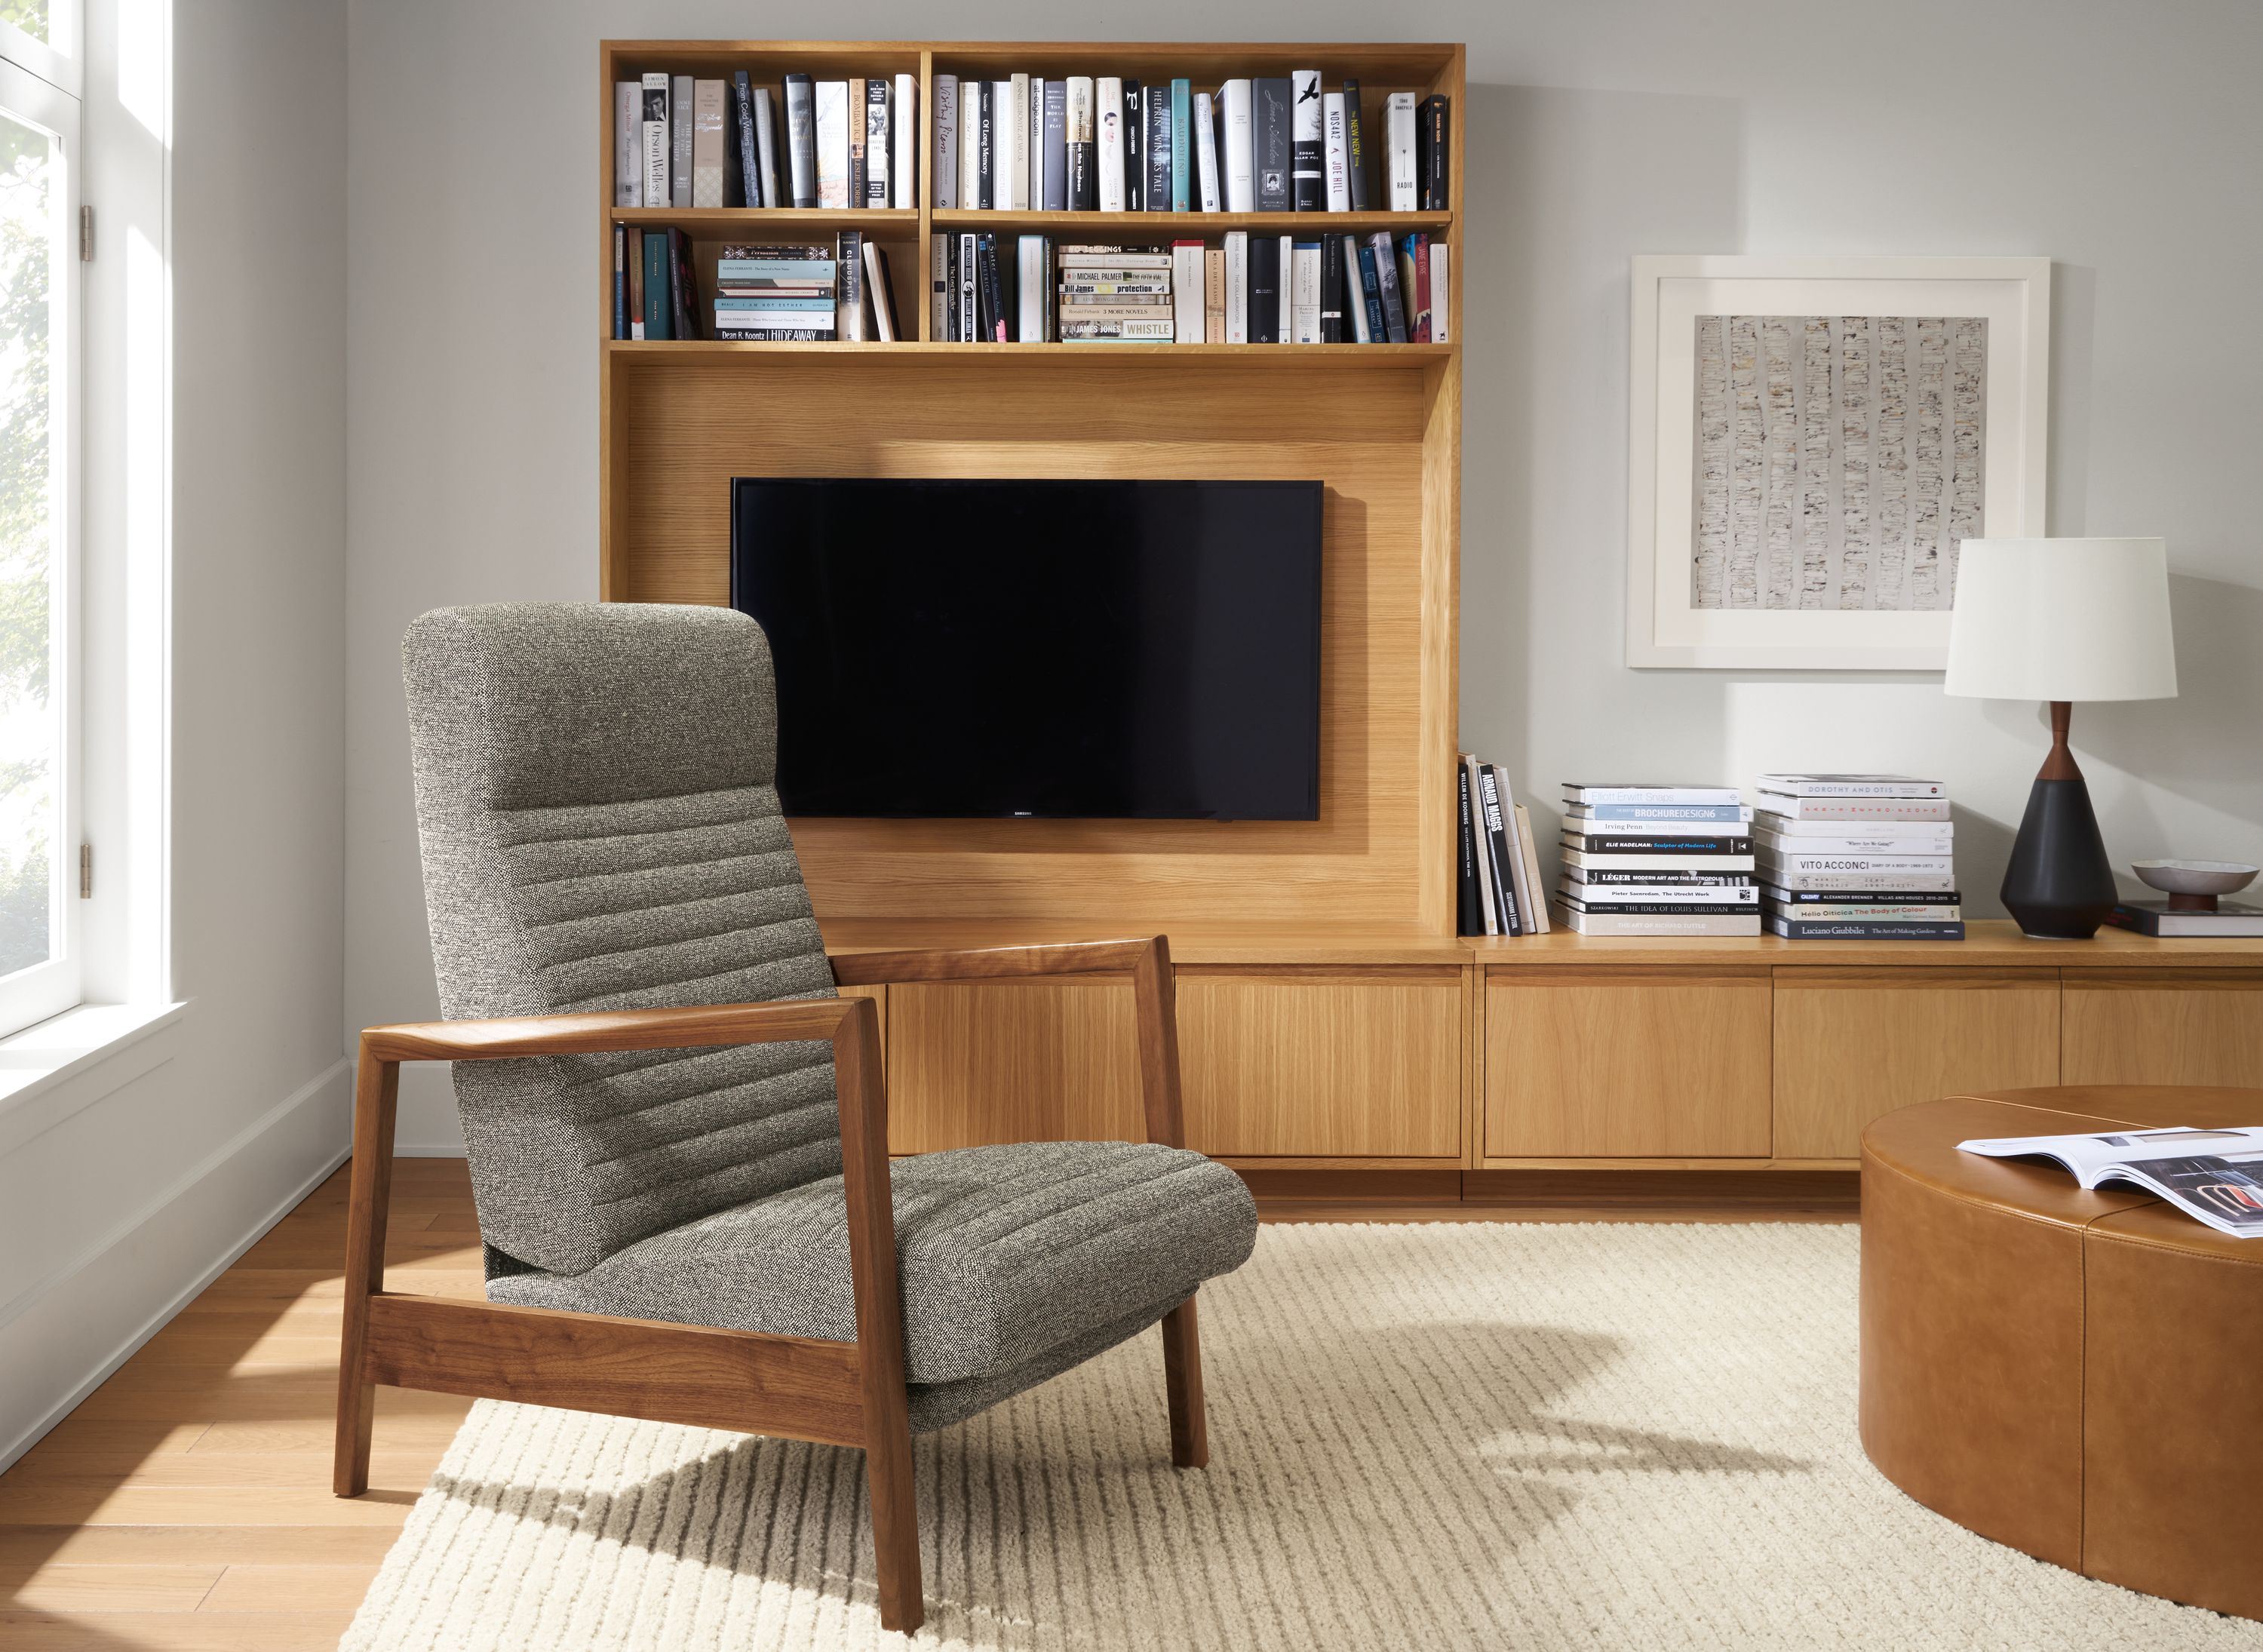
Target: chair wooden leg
x,y
376,1089
1182,1379
895,1524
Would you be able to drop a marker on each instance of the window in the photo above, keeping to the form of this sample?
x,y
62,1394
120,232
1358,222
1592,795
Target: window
x,y
40,963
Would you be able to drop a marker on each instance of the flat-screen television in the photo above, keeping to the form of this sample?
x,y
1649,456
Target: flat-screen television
x,y
1063,649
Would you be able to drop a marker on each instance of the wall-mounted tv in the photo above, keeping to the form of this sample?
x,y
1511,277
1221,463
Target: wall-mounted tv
x,y
1056,649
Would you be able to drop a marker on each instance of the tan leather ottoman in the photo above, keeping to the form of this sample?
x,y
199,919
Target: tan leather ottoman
x,y
2078,1375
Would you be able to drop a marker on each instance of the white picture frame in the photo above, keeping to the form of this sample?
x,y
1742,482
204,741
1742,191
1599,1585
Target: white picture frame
x,y
1666,626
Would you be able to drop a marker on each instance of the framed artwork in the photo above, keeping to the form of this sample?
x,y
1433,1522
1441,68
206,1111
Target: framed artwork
x,y
1811,440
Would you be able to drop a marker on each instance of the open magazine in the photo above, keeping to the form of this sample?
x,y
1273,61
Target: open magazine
x,y
2213,1175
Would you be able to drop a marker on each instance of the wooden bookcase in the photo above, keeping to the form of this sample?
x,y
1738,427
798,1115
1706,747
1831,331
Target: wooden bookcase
x,y
1331,1020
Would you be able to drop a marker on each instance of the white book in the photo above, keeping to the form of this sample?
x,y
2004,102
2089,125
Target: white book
x,y
877,149
875,294
1724,895
1634,791
1530,861
1640,861
1237,286
1284,324
1010,144
1187,292
1441,293
945,166
680,120
1033,145
1337,152
773,192
832,97
1241,157
1943,830
1725,925
1398,151
1852,786
628,144
970,144
1108,154
938,277
1802,863
1864,882
711,133
1840,810
904,176
1355,291
1206,191
1768,843
1304,293
1512,829
657,144
1029,288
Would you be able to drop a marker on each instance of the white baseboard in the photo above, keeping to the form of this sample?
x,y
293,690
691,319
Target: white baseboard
x,y
301,1110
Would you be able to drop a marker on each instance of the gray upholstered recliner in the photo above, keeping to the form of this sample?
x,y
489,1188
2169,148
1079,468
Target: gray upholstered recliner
x,y
603,853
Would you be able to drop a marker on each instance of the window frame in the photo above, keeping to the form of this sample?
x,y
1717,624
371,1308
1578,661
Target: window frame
x,y
46,990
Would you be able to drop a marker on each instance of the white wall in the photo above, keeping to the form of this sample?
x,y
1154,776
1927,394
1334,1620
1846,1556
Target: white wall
x,y
2119,141
131,1184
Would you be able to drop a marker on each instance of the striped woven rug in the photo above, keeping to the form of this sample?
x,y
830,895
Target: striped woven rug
x,y
1475,1435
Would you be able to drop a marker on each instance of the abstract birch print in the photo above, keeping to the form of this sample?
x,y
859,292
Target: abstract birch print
x,y
1840,459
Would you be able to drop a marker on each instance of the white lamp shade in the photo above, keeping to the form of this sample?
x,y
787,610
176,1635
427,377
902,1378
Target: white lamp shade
x,y
2062,620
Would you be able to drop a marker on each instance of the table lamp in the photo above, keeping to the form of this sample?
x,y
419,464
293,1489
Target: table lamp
x,y
2060,620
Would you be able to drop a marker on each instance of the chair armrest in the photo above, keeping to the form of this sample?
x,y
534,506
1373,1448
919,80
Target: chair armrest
x,y
1154,993
697,1027
993,963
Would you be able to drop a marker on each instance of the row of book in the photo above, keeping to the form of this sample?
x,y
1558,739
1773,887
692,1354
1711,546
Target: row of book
x,y
1497,887
682,141
1109,143
1857,856
1250,289
1645,860
810,291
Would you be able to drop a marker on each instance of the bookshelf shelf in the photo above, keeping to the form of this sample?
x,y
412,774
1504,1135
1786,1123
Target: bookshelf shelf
x,y
1330,357
756,223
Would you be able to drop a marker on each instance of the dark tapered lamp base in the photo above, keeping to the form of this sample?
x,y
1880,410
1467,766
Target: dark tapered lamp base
x,y
2059,885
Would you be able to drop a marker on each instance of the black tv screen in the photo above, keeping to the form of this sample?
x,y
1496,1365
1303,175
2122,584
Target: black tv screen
x,y
1112,649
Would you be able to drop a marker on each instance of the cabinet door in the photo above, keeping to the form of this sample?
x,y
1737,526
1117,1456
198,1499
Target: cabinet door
x,y
1323,1063
1011,1060
1852,1044
2162,1027
1632,1062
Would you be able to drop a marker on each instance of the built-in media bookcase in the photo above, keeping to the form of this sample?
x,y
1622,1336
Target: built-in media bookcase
x,y
1380,424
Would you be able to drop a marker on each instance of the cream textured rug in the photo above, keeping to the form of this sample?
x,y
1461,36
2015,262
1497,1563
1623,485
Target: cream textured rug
x,y
1544,1435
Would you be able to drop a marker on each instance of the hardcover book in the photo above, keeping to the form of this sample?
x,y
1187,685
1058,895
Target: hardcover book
x,y
856,140
1432,151
658,141
832,100
903,121
1399,152
1305,292
1206,186
1386,281
943,168
628,144
1157,189
680,120
1103,116
1356,161
801,137
1055,197
1307,173
1333,154
1182,146
879,144
711,147
1265,290
1271,125
1238,163
1135,147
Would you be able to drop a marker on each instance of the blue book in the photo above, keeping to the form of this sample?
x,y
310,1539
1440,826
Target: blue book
x,y
621,281
1182,146
659,314
1733,814
1371,292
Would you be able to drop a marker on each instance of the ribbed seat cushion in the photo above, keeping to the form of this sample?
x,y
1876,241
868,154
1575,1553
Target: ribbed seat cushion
x,y
1007,1254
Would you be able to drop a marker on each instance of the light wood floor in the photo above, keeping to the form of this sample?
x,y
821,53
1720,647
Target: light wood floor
x,y
186,1504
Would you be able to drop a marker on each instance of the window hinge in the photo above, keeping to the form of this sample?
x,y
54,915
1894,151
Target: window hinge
x,y
86,235
86,871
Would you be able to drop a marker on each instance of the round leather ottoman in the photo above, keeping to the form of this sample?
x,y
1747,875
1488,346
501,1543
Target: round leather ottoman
x,y
2078,1375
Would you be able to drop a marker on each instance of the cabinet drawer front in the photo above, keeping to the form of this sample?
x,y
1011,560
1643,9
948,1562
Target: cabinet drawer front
x,y
1325,1063
1851,1045
1626,1063
1011,1060
2198,1026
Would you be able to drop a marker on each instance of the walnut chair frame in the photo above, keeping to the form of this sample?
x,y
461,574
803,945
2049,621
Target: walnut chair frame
x,y
836,1393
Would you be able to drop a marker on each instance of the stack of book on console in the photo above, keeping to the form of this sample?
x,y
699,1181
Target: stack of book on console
x,y
1858,857
1499,885
1657,860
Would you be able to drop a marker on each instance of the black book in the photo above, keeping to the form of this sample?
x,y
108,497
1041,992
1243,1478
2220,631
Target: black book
x,y
1056,196
985,196
1083,178
1333,327
993,292
683,290
1265,288
880,126
1307,181
1472,918
1431,153
801,137
849,286
969,272
1157,148
1492,812
1710,880
1355,147
1611,844
742,111
950,289
1270,123
1386,286
1135,148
